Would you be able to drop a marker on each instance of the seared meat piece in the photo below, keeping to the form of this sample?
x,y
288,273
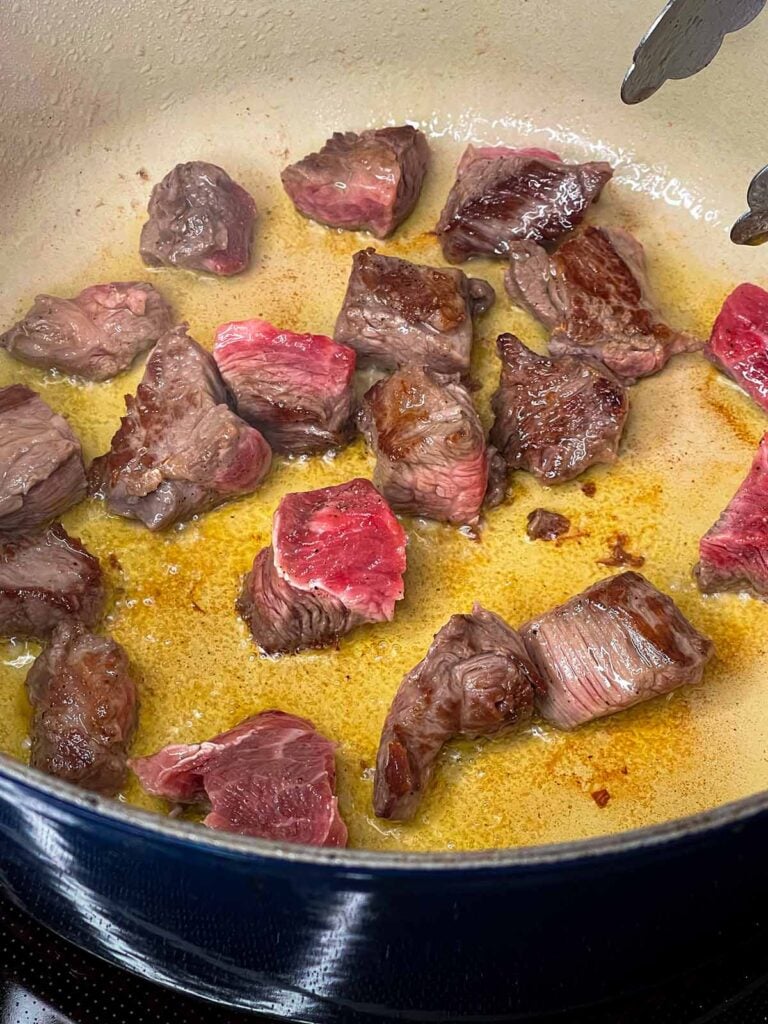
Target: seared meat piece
x,y
546,525
475,680
593,293
502,195
739,342
85,709
272,776
397,313
199,219
296,388
96,335
45,579
555,417
733,552
367,182
285,619
41,462
431,456
180,449
618,643
337,560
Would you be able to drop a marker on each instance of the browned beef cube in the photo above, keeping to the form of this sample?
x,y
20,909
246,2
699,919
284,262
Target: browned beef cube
x,y
503,195
476,679
199,219
298,389
85,709
180,449
397,313
555,417
620,642
96,335
337,560
367,182
593,293
48,578
41,462
431,455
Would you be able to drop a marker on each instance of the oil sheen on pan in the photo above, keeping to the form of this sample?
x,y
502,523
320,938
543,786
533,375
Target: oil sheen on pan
x,y
689,440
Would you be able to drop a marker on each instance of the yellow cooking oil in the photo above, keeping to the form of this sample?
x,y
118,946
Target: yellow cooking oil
x,y
689,441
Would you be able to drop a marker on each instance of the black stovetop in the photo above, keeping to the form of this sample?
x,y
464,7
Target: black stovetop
x,y
44,980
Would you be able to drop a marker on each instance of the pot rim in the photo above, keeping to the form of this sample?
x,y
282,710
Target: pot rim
x,y
148,823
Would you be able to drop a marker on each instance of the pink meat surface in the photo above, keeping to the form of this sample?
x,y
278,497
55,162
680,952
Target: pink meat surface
x,y
360,182
344,541
272,776
739,342
473,153
734,553
296,388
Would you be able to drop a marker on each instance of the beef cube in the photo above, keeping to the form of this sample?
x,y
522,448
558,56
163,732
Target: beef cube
x,y
45,579
431,456
273,776
593,293
739,342
476,680
367,182
337,560
732,554
618,643
96,335
546,525
296,388
199,219
41,462
397,313
555,417
503,195
180,449
85,709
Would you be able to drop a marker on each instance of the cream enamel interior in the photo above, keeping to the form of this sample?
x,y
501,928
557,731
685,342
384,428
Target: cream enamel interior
x,y
99,102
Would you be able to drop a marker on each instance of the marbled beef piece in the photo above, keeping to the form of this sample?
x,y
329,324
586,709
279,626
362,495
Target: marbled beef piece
x,y
199,219
45,579
739,342
41,462
337,560
397,313
180,449
504,195
733,554
272,776
85,709
618,643
593,293
476,679
431,455
96,335
367,182
298,389
555,417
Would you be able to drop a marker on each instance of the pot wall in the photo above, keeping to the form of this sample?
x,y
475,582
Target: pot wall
x,y
328,942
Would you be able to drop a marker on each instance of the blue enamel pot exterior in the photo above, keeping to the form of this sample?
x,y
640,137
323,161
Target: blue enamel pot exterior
x,y
316,935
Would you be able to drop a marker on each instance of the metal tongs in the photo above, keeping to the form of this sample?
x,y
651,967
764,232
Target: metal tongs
x,y
685,38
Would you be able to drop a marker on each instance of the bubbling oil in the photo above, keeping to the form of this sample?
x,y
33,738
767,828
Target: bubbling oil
x,y
689,442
